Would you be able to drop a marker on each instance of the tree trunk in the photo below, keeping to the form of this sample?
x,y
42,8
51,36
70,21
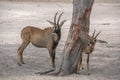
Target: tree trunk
x,y
77,37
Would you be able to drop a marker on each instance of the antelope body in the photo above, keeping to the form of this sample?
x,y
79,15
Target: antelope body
x,y
42,38
91,41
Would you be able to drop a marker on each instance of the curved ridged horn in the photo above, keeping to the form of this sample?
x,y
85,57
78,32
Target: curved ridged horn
x,y
55,17
97,34
94,33
59,18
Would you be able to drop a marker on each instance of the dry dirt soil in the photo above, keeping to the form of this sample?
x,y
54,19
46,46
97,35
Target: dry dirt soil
x,y
104,61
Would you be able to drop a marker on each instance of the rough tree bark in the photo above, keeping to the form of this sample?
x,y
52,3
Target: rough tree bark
x,y
77,37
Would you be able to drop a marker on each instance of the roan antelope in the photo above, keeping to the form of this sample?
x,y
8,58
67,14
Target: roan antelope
x,y
91,41
42,38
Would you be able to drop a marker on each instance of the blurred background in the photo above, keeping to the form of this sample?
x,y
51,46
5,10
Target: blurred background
x,y
16,14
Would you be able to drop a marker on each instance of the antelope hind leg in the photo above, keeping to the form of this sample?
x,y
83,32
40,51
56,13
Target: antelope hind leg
x,y
20,52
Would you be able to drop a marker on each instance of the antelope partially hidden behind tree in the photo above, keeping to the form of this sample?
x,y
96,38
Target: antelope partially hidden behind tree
x,y
42,38
91,41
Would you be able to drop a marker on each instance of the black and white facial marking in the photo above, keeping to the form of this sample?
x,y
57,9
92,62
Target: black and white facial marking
x,y
57,26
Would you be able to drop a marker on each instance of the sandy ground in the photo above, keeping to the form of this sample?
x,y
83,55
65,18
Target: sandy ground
x,y
104,62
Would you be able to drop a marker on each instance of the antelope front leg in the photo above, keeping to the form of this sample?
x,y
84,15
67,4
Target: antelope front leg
x,y
88,64
52,56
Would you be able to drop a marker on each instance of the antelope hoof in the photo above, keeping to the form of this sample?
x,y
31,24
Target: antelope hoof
x,y
88,73
78,72
23,62
53,68
82,68
19,64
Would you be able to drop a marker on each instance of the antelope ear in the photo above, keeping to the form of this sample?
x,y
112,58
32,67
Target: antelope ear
x,y
102,41
52,23
62,22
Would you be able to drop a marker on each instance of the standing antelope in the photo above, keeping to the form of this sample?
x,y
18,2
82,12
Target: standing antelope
x,y
47,38
91,41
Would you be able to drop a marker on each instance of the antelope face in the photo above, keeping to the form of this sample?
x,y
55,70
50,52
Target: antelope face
x,y
91,42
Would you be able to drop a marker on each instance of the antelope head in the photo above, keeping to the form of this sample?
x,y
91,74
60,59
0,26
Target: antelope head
x,y
57,24
91,42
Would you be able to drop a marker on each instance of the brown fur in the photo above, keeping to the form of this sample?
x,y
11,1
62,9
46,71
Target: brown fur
x,y
39,38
